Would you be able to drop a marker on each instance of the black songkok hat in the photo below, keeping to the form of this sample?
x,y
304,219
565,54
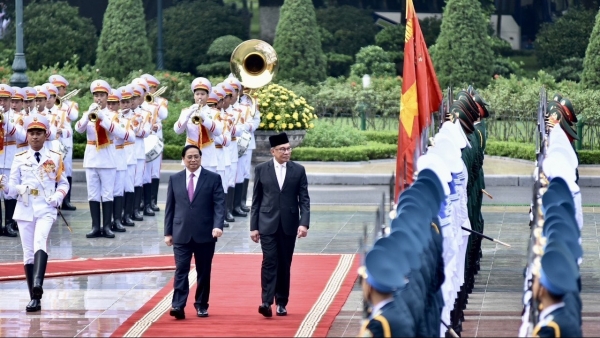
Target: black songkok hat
x,y
279,139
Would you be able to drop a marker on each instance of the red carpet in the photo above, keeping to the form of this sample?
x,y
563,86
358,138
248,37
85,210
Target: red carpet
x,y
89,266
320,286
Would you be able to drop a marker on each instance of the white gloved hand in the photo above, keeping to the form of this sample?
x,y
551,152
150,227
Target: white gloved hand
x,y
52,201
92,106
4,183
101,115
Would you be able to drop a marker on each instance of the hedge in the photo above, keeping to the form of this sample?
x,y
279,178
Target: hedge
x,y
370,151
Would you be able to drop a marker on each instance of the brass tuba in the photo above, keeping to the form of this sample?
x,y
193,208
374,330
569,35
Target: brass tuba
x,y
254,63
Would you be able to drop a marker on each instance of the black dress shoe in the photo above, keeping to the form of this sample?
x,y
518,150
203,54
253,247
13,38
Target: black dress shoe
x,y
177,312
237,212
34,305
265,310
202,311
281,311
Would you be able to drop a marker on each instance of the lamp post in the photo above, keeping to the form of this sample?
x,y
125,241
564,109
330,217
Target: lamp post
x,y
366,82
159,49
19,66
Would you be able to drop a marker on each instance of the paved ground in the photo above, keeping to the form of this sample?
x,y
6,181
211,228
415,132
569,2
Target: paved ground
x,y
88,305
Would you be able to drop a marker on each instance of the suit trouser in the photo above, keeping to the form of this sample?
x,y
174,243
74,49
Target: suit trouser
x,y
100,183
34,236
203,256
278,249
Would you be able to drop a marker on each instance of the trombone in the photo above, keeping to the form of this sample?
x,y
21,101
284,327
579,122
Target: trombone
x,y
60,100
150,97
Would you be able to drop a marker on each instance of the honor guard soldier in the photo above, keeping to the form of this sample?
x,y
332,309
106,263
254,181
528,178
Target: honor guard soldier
x,y
159,115
126,117
215,101
239,112
113,104
383,276
38,184
200,125
251,121
29,102
228,123
6,152
99,158
142,128
69,113
41,99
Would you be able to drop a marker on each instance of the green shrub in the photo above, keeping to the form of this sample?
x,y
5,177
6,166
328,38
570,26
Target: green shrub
x,y
190,27
386,137
565,38
463,52
373,60
123,46
298,43
370,151
54,32
338,64
350,29
324,136
524,151
589,156
219,54
590,76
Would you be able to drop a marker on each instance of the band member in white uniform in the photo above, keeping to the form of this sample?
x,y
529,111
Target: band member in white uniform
x,y
69,114
141,127
29,103
99,158
229,125
41,99
37,182
113,104
235,114
202,134
127,116
251,121
160,115
215,101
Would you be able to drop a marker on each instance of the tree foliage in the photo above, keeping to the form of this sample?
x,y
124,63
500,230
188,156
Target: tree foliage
x,y
190,27
298,43
463,52
590,76
567,37
351,28
123,45
373,60
219,53
54,32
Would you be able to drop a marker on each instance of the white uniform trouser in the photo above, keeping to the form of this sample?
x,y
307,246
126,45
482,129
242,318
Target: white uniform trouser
x,y
34,236
100,183
232,169
244,166
119,186
68,163
578,209
223,174
152,170
6,172
138,179
129,177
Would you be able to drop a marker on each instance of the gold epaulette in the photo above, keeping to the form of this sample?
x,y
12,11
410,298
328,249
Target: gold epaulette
x,y
21,153
56,152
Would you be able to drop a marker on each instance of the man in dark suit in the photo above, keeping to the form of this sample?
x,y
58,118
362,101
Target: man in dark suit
x,y
193,221
280,192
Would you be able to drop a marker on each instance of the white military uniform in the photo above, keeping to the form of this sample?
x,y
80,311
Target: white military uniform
x,y
221,143
69,114
142,128
251,122
43,92
152,171
121,136
201,135
39,187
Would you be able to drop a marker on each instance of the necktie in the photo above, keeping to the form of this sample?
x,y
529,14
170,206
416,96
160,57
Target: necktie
x,y
191,187
37,156
280,177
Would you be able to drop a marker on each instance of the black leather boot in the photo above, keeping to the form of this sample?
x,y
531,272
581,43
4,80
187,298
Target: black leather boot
x,y
244,196
237,200
95,211
128,209
34,304
137,214
10,206
66,204
154,200
40,259
107,211
117,211
148,211
229,206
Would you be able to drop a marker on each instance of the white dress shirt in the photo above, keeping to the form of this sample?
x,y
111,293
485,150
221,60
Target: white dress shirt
x,y
280,170
187,177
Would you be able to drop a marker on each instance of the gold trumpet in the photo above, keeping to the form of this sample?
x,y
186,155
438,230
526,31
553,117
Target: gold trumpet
x,y
93,116
150,97
65,97
1,114
254,63
195,117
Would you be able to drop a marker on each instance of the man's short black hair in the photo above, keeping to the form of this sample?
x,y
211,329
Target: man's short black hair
x,y
189,146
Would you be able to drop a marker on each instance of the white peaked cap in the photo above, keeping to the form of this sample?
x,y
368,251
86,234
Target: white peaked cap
x,y
436,164
448,151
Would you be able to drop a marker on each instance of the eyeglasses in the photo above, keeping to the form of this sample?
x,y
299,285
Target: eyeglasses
x,y
283,150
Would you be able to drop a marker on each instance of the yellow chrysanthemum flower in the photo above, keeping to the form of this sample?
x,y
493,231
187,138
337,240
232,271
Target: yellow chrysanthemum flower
x,y
295,116
278,117
269,116
271,96
312,125
291,126
262,125
298,124
283,126
306,110
287,115
292,105
271,125
265,104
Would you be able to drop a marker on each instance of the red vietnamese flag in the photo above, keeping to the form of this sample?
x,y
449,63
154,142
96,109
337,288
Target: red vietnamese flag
x,y
421,95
